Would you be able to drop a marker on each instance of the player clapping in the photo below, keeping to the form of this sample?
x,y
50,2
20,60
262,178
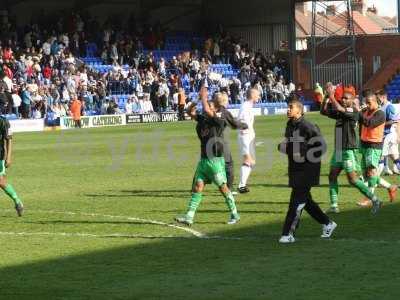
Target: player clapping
x,y
211,167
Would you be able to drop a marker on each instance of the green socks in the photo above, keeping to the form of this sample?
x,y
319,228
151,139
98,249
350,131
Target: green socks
x,y
9,190
230,201
197,197
194,204
373,181
363,188
333,193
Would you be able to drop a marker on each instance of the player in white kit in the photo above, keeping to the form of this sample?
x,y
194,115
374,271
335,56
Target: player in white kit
x,y
247,138
390,142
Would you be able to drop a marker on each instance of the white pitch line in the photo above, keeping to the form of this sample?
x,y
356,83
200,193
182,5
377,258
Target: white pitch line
x,y
148,221
91,235
145,221
195,233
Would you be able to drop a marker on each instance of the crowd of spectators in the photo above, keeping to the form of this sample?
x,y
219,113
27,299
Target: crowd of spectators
x,y
40,69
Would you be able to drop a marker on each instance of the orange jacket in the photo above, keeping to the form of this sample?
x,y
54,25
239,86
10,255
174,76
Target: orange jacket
x,y
76,107
181,98
369,134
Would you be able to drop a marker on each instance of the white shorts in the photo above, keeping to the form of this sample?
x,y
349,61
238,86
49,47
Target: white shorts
x,y
247,145
390,145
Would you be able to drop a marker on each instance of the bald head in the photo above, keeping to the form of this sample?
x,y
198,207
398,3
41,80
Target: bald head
x,y
253,95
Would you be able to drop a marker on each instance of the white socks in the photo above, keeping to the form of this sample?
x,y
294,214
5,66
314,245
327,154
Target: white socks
x,y
381,167
384,183
245,171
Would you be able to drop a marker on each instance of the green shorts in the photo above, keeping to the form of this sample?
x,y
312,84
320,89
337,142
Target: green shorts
x,y
370,158
345,160
211,170
2,168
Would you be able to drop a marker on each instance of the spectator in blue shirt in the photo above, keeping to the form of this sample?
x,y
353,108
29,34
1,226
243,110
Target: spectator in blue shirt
x,y
26,103
390,144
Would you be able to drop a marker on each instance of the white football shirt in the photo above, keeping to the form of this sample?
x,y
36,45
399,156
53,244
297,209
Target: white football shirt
x,y
246,115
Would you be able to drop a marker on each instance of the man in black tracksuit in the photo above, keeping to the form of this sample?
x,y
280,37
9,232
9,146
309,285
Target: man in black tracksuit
x,y
234,124
304,146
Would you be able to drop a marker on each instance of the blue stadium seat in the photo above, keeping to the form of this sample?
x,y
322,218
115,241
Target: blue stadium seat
x,y
11,117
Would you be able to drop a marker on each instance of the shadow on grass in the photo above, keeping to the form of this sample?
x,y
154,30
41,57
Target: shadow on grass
x,y
364,250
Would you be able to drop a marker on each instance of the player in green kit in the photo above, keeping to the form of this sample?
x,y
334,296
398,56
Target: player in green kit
x,y
373,122
344,157
211,167
5,162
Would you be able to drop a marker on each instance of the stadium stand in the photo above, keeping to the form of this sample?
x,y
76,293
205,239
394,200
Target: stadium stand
x,y
43,70
393,89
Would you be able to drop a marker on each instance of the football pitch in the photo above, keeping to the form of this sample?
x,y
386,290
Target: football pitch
x,y
99,223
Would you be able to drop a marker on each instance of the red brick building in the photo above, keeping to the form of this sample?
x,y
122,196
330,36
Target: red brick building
x,y
377,49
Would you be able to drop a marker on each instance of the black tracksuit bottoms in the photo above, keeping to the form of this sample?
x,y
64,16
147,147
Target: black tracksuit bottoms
x,y
301,199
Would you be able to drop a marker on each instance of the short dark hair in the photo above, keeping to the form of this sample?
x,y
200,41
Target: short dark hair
x,y
371,95
297,102
381,93
293,97
366,93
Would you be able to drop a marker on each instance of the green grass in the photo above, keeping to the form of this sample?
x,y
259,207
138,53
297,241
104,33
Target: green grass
x,y
145,172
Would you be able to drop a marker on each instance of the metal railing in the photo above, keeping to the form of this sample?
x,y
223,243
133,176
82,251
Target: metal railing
x,y
346,73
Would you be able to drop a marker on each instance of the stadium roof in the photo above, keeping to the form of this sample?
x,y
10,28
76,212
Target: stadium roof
x,y
88,3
